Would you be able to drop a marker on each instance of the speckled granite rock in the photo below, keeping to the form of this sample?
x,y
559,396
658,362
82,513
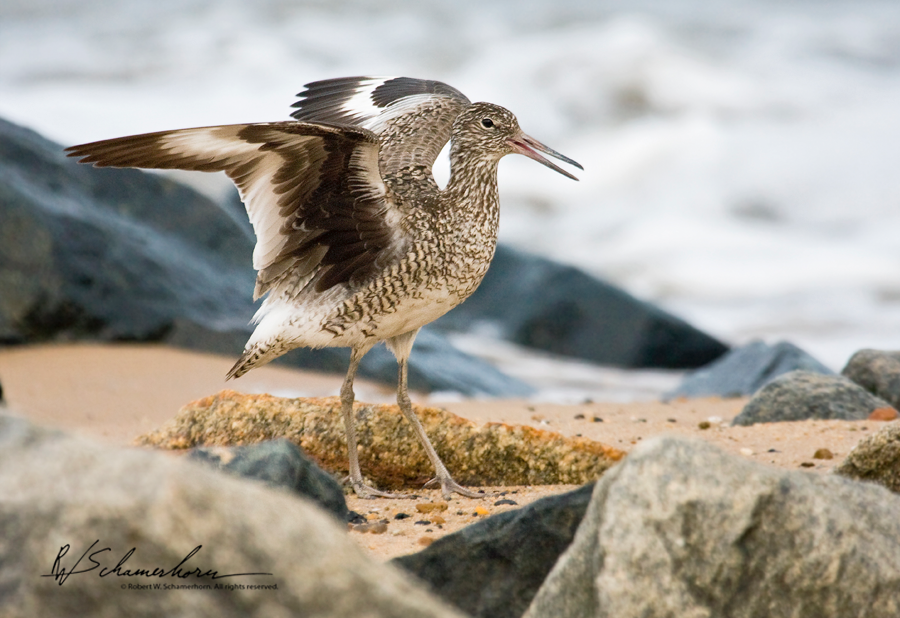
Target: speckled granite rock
x,y
58,490
682,529
390,454
800,395
878,372
876,459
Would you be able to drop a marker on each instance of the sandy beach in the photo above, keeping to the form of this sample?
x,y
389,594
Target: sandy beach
x,y
113,393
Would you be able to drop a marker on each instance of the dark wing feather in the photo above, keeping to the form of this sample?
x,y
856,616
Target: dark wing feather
x,y
313,193
412,117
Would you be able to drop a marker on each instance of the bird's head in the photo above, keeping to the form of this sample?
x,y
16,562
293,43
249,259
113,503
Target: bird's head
x,y
493,131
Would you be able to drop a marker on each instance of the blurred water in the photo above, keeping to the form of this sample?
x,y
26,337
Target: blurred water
x,y
741,158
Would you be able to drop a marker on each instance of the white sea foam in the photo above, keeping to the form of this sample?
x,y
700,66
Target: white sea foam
x,y
741,158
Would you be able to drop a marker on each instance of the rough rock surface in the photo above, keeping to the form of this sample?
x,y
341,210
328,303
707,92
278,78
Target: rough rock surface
x,y
744,370
278,463
58,491
683,529
493,568
876,458
390,453
800,395
541,304
878,372
118,254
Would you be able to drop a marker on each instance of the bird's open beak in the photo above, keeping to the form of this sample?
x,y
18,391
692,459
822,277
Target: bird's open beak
x,y
529,147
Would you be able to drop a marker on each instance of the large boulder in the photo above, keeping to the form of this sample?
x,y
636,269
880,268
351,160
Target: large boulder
x,y
682,529
64,501
744,370
878,372
801,395
118,254
493,568
538,303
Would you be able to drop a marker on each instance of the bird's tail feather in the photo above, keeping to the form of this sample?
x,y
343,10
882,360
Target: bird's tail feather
x,y
254,356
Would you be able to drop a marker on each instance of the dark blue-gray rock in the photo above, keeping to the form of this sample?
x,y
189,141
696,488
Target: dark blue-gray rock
x,y
875,458
744,370
110,254
541,304
801,395
278,463
878,372
680,528
58,491
493,568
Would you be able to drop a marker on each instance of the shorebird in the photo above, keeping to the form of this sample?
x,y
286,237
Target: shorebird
x,y
355,241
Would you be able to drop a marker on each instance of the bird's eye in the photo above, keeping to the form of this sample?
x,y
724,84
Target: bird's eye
x,y
487,123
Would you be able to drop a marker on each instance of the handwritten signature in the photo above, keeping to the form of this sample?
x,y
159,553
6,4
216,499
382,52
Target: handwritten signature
x,y
60,573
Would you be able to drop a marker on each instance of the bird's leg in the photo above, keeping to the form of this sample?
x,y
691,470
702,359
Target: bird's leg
x,y
356,479
448,485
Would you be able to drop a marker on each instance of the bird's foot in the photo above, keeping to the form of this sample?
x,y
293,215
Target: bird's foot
x,y
450,487
367,493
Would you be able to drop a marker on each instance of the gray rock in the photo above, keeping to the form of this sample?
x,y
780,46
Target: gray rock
x,y
279,463
58,491
744,370
109,254
876,458
878,372
541,304
801,395
493,568
680,528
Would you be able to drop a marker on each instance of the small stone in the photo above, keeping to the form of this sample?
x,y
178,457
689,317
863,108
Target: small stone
x,y
704,425
883,414
579,417
423,522
823,453
597,419
425,541
505,501
438,520
378,527
428,507
374,527
401,516
480,510
671,420
807,464
746,451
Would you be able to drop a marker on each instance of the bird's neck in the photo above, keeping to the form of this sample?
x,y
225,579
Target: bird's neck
x,y
472,187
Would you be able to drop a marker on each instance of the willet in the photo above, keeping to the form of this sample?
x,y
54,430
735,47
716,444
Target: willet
x,y
355,241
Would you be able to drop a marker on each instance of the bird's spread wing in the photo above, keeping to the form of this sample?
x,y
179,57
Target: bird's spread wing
x,y
412,117
313,192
